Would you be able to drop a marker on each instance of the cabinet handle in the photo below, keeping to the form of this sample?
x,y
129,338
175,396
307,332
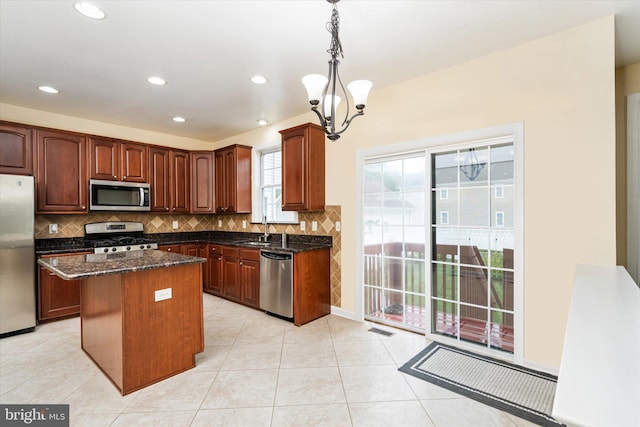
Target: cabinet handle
x,y
115,177
166,209
169,250
84,207
240,263
124,177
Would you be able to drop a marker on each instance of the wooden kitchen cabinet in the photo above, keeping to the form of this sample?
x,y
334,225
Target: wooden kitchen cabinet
x,y
202,181
16,149
57,298
159,179
115,160
213,284
231,273
179,177
176,249
250,277
303,168
311,285
233,179
61,179
169,179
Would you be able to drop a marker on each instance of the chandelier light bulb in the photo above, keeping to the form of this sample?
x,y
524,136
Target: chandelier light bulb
x,y
359,91
327,104
315,84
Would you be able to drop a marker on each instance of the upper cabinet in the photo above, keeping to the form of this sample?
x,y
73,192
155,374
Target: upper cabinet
x,y
16,149
169,179
159,179
303,168
118,160
61,178
179,177
233,179
202,181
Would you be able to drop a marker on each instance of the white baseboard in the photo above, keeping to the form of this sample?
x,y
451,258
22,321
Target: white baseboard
x,y
541,367
343,313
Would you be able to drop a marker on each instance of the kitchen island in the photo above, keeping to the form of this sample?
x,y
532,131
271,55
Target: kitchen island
x,y
141,312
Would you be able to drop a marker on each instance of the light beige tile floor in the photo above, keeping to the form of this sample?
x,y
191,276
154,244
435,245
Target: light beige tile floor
x,y
256,370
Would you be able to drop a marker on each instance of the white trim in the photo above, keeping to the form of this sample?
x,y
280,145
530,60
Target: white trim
x,y
343,313
633,186
513,132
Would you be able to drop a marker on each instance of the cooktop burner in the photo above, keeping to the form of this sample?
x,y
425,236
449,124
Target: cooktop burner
x,y
109,237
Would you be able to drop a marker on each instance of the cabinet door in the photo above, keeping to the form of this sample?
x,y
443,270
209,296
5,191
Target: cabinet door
x,y
159,179
231,278
220,183
189,249
104,157
215,267
61,182
134,165
229,180
250,282
179,178
16,150
303,168
294,171
202,182
57,297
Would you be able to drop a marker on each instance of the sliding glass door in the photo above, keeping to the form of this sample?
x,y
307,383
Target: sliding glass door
x,y
438,242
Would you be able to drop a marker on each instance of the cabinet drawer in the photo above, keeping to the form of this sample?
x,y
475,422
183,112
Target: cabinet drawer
x,y
215,249
231,251
252,254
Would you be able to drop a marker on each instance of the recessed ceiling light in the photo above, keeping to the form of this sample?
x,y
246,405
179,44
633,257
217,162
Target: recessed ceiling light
x,y
262,122
259,80
89,10
155,80
179,119
48,89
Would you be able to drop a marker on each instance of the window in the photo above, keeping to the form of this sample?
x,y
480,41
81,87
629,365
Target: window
x,y
270,201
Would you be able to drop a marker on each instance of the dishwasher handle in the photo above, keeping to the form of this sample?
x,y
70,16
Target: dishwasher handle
x,y
276,256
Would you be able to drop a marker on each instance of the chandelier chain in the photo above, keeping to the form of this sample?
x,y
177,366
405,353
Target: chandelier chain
x,y
333,27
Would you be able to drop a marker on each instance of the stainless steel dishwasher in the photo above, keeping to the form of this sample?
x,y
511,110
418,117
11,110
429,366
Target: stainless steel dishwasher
x,y
276,283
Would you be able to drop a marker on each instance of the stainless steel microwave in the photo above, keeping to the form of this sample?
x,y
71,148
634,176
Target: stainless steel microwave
x,y
118,196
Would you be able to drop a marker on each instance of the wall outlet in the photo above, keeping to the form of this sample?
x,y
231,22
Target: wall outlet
x,y
53,228
175,225
338,226
163,294
244,224
219,223
303,226
314,225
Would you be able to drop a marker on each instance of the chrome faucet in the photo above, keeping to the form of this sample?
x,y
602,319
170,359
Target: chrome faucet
x,y
266,229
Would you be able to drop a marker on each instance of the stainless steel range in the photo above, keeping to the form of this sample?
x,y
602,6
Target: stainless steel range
x,y
120,236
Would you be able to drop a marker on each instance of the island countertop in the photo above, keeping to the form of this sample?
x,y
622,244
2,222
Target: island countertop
x,y
75,267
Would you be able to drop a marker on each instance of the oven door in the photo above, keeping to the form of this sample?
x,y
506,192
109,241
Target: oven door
x,y
118,196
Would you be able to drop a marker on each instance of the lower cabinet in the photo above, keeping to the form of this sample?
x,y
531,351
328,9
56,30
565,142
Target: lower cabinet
x,y
311,285
234,274
57,298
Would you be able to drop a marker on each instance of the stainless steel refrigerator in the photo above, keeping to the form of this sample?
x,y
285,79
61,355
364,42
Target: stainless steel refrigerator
x,y
17,266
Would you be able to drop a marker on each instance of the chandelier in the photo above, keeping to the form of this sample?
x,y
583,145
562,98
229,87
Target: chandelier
x,y
472,167
321,90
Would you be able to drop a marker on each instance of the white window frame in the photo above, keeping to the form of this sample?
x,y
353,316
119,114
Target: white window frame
x,y
256,191
513,132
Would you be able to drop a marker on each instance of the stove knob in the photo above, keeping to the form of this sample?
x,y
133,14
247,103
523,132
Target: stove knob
x,y
148,246
128,248
105,250
113,249
141,246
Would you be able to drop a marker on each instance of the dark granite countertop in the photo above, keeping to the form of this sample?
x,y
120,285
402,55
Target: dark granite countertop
x,y
295,242
88,265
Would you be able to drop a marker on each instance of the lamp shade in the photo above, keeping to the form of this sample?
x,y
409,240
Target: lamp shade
x,y
314,83
327,104
359,91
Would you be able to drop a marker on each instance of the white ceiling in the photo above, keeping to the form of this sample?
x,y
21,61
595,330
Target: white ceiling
x,y
208,50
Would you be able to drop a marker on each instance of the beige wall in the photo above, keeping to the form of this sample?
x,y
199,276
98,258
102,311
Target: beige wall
x,y
627,82
562,88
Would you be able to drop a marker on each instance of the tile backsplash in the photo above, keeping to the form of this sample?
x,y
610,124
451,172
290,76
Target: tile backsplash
x,y
73,226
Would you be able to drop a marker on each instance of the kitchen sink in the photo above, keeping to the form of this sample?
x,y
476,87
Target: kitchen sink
x,y
254,243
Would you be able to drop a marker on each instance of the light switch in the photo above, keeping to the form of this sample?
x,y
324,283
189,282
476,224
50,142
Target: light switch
x,y
219,223
163,294
244,224
302,226
314,225
338,226
175,225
